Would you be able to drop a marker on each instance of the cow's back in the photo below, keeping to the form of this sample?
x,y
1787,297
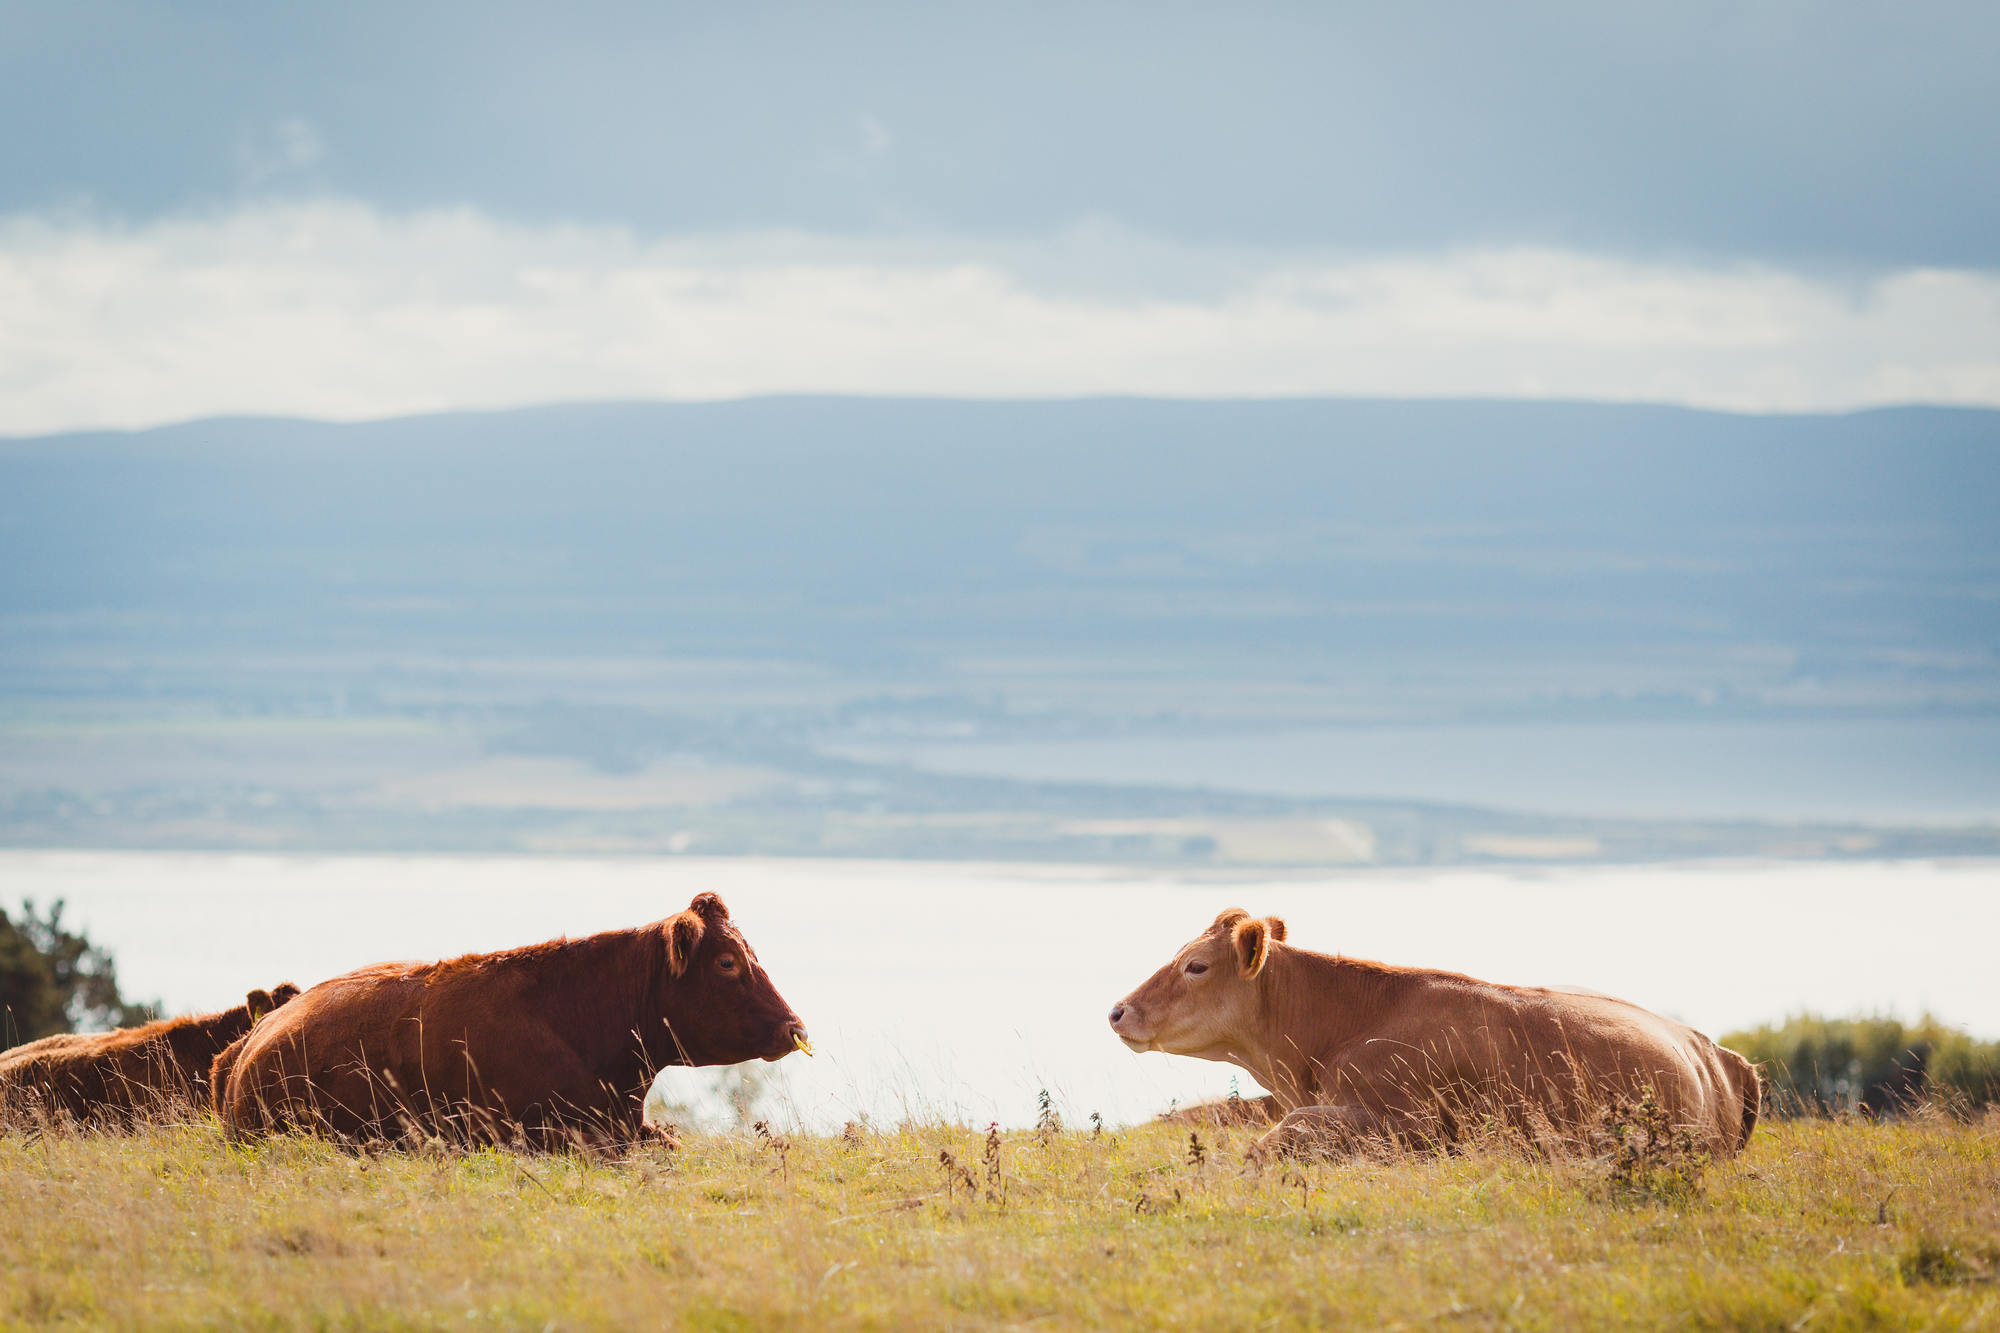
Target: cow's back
x,y
1567,1054
1620,1050
321,1059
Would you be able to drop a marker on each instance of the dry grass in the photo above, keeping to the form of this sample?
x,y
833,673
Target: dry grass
x,y
1823,1224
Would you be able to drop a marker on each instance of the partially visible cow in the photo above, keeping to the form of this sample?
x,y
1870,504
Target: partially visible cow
x,y
547,1044
1357,1052
128,1074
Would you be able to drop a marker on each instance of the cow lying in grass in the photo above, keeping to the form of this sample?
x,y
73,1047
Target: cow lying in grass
x,y
1360,1053
129,1074
548,1044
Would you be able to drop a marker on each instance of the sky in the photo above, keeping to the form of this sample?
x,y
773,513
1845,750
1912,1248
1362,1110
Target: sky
x,y
369,209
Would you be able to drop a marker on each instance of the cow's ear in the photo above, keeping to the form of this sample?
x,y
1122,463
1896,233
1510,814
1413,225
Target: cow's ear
x,y
259,1003
1228,917
683,938
1253,945
1277,925
283,993
708,905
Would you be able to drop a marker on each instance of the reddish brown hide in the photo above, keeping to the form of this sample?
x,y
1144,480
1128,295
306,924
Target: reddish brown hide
x,y
546,1044
130,1073
1357,1052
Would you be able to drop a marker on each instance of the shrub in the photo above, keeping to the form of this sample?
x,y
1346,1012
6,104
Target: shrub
x,y
1646,1156
55,980
1879,1066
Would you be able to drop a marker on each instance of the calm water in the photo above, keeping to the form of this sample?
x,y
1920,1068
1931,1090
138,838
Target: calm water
x,y
962,990
1920,770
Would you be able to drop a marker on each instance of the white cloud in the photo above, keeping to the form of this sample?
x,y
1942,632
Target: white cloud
x,y
336,310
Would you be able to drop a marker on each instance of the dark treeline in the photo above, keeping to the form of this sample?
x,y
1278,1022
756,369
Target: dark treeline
x,y
1876,1066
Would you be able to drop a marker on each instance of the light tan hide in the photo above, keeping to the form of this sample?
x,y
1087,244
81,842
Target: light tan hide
x,y
1357,1052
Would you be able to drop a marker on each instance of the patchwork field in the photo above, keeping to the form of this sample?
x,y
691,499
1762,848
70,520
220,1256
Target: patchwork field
x,y
1827,1225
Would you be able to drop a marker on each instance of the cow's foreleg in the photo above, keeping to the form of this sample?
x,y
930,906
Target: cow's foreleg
x,y
1344,1130
1221,1114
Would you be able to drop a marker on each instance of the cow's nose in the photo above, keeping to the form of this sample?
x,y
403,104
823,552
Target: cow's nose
x,y
791,1036
1117,1012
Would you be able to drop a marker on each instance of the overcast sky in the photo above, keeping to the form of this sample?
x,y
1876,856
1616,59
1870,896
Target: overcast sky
x,y
362,209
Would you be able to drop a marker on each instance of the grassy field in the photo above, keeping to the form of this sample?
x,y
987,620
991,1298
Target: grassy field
x,y
1822,1225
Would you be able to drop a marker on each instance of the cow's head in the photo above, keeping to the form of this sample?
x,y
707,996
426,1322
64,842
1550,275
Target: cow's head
x,y
1203,1001
722,1007
261,1002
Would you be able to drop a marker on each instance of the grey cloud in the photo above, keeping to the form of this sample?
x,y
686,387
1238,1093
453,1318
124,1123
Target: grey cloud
x,y
1848,133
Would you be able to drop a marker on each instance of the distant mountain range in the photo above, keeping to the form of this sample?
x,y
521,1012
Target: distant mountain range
x,y
917,531
776,581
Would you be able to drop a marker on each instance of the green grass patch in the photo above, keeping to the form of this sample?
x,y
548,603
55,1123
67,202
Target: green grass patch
x,y
1822,1224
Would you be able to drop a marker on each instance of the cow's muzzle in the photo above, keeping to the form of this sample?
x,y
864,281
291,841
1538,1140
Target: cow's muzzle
x,y
791,1036
1126,1023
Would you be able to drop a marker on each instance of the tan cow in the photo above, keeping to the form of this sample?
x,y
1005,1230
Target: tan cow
x,y
1357,1052
551,1043
130,1073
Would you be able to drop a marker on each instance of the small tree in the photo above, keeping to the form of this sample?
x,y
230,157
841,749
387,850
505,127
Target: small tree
x,y
29,1004
55,980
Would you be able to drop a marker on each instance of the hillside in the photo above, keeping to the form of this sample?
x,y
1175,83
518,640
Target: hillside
x,y
436,631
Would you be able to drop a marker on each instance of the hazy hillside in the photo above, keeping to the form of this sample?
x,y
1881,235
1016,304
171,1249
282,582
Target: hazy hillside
x,y
918,531
802,586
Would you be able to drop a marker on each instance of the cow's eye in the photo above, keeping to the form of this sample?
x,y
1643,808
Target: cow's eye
x,y
727,962
1196,968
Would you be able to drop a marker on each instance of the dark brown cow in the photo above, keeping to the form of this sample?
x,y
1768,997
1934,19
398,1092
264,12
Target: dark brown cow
x,y
1358,1052
130,1073
546,1044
